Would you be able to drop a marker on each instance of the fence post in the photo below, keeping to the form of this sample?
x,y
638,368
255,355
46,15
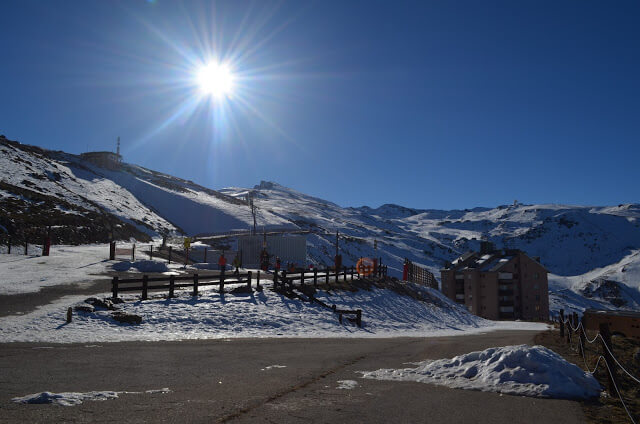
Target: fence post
x,y
582,335
69,314
315,277
172,282
275,280
170,249
359,317
344,270
607,349
301,279
112,250
351,272
562,323
133,253
151,251
145,283
195,284
26,246
114,287
9,246
221,281
284,279
327,271
249,281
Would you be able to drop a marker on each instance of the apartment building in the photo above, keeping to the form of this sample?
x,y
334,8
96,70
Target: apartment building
x,y
498,284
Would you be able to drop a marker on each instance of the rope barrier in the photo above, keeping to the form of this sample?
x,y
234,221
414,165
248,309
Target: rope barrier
x,y
637,380
600,357
614,358
619,395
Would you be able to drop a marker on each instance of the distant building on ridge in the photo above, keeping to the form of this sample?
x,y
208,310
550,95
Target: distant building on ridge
x,y
108,160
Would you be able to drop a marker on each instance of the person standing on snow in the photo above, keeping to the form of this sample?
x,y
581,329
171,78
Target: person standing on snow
x,y
222,262
236,264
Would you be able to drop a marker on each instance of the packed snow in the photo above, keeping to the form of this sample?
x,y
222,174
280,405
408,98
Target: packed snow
x,y
516,370
347,384
257,314
65,265
77,398
65,398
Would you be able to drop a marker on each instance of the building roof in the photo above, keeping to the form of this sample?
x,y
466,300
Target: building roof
x,y
618,313
486,262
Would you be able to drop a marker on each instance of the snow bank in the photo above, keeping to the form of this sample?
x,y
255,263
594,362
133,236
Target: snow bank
x,y
65,398
516,370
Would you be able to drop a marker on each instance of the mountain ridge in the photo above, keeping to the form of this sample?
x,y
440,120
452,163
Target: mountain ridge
x,y
40,187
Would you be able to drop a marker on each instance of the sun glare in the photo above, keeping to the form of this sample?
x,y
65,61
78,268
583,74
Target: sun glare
x,y
216,79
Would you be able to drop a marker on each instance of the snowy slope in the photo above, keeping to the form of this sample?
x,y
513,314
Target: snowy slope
x,y
259,314
592,252
154,203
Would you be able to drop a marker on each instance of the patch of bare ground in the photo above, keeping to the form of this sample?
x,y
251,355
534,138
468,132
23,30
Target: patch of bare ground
x,y
608,408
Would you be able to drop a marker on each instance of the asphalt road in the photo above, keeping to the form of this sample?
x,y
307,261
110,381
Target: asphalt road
x,y
227,381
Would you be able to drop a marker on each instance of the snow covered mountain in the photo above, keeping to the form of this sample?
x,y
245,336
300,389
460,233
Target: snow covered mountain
x,y
593,253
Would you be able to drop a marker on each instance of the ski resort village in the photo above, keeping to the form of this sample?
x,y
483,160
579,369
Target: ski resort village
x,y
218,211
131,281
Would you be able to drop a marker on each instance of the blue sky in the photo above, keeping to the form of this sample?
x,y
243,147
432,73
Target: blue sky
x,y
425,104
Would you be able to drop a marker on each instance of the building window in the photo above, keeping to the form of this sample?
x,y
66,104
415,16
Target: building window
x,y
536,275
538,297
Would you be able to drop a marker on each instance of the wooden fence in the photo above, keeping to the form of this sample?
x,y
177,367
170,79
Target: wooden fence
x,y
284,279
419,275
170,283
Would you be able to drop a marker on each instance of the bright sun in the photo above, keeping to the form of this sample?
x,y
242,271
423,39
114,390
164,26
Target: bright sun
x,y
216,79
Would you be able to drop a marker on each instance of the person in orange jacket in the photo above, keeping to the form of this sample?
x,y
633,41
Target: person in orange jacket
x,y
222,262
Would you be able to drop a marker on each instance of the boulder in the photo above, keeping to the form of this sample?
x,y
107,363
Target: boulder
x,y
84,307
126,318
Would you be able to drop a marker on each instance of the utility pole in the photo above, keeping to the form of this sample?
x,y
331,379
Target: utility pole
x,y
253,213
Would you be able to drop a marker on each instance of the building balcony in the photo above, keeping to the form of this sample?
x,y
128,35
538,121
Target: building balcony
x,y
505,292
506,303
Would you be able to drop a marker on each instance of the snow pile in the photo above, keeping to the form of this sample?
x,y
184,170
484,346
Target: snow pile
x,y
257,314
517,370
141,266
76,398
65,398
347,384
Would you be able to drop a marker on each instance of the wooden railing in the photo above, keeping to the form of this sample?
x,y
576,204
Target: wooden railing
x,y
170,283
284,279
